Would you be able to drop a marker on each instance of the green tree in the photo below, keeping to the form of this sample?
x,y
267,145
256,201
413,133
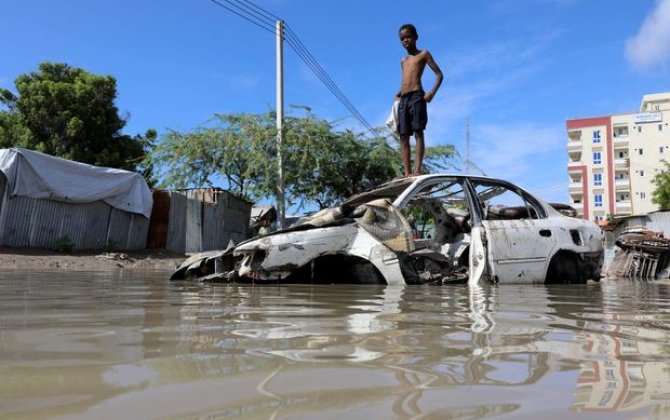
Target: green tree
x,y
321,164
661,194
68,112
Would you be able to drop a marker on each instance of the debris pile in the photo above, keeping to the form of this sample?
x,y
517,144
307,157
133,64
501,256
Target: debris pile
x,y
643,254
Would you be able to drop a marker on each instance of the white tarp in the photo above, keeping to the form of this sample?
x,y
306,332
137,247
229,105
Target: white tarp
x,y
37,175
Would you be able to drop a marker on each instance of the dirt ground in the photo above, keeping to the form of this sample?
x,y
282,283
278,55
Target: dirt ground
x,y
44,259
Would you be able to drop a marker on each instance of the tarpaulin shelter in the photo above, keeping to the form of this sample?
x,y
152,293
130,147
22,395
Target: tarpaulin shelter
x,y
46,199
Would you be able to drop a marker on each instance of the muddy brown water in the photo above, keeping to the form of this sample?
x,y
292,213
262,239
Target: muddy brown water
x,y
135,345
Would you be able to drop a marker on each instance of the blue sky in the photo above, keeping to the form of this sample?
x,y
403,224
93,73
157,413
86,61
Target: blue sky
x,y
517,69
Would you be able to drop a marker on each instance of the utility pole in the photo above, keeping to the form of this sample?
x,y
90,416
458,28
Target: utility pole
x,y
281,201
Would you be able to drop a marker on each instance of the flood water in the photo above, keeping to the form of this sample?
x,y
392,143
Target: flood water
x,y
135,345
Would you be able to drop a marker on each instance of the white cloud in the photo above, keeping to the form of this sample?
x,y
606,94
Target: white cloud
x,y
650,47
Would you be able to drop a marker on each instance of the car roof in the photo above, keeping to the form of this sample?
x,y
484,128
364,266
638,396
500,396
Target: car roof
x,y
398,185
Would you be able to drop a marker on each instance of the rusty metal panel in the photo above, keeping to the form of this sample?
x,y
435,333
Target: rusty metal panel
x,y
160,220
176,234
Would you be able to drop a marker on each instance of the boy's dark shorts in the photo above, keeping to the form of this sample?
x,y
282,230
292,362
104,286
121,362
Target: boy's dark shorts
x,y
412,113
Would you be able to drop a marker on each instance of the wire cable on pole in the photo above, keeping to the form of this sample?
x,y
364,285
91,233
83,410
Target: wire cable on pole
x,y
265,20
248,17
304,54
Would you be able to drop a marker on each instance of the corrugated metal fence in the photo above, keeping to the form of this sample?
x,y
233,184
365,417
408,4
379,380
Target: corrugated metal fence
x,y
37,223
197,220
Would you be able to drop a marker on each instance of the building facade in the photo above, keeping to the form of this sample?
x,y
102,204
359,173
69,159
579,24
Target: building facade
x,y
612,160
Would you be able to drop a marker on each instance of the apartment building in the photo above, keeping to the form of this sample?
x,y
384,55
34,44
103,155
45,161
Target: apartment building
x,y
612,160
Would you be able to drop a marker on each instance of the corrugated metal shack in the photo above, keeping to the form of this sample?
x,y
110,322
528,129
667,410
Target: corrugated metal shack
x,y
197,220
42,223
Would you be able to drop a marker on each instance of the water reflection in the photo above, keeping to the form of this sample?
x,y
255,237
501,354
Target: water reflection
x,y
99,345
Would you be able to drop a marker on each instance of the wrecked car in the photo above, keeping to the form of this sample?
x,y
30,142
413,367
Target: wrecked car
x,y
426,229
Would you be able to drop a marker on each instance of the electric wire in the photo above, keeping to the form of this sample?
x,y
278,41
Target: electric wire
x,y
264,11
251,19
265,20
248,6
302,52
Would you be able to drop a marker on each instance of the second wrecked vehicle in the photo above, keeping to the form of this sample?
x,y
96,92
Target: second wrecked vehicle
x,y
424,229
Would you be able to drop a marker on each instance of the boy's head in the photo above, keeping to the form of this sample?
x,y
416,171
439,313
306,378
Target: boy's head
x,y
410,30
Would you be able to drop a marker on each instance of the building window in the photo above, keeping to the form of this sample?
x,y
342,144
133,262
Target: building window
x,y
643,195
600,218
621,155
642,173
641,151
639,128
598,200
660,127
597,179
622,197
596,136
597,158
660,149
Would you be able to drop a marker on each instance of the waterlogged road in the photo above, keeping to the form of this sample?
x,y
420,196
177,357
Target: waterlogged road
x,y
135,345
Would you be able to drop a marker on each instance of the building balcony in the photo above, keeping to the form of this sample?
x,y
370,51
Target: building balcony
x,y
621,163
575,186
622,184
623,206
575,135
578,206
574,145
620,142
574,167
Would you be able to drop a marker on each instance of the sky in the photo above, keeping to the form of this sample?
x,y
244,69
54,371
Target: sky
x,y
516,70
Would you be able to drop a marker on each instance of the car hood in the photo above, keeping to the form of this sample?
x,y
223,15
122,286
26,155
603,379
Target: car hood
x,y
379,217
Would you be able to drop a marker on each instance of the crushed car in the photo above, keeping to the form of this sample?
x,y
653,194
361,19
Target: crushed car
x,y
432,229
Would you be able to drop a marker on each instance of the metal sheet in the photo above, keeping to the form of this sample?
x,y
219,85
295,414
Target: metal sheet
x,y
15,224
205,219
176,234
160,220
94,223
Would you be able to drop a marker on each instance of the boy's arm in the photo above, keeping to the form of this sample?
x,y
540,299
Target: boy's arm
x,y
438,77
402,69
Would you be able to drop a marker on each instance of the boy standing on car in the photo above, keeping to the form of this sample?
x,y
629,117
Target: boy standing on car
x,y
412,112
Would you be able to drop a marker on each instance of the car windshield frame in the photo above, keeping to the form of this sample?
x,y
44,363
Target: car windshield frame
x,y
391,190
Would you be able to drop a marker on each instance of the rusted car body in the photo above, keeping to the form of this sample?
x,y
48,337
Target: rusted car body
x,y
426,229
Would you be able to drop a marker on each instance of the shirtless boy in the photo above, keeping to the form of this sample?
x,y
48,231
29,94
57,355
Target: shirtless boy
x,y
412,113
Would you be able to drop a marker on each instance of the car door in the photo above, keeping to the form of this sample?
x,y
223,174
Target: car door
x,y
520,236
451,226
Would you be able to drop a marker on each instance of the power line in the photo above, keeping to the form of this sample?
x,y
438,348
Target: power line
x,y
265,20
257,7
246,17
296,44
249,7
